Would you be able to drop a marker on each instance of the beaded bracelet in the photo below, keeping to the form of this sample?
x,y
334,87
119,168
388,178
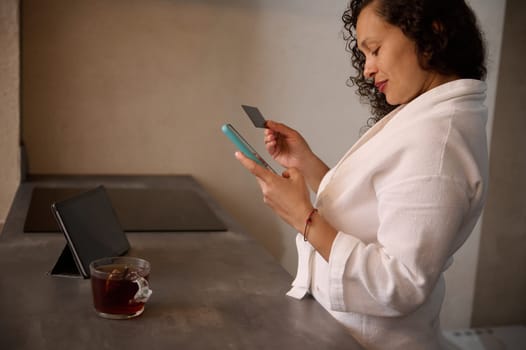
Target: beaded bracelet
x,y
307,223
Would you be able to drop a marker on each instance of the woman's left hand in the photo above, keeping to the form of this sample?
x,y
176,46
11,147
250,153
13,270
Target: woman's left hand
x,y
286,195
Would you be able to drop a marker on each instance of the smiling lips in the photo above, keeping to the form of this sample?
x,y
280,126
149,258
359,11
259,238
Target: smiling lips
x,y
381,85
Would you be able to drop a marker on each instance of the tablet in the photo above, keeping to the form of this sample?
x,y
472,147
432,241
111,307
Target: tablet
x,y
91,228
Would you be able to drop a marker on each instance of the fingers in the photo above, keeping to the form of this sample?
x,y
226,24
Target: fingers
x,y
275,136
270,137
276,130
291,173
271,146
256,169
271,141
278,127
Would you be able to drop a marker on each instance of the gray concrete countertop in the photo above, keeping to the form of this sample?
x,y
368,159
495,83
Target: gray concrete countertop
x,y
212,290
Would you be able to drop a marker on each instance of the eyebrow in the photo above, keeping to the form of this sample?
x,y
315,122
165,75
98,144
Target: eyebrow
x,y
365,43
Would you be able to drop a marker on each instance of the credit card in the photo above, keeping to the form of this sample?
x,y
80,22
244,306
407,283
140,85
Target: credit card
x,y
255,115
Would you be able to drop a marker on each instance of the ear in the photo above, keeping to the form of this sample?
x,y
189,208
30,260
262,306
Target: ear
x,y
439,29
438,42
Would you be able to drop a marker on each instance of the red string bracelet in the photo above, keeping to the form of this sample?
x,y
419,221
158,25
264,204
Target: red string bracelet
x,y
308,222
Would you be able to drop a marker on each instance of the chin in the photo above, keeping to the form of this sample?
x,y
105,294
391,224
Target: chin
x,y
394,101
391,101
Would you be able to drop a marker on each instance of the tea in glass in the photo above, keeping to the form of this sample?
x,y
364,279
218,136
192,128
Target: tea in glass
x,y
120,286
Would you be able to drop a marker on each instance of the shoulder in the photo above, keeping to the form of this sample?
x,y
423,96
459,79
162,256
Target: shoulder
x,y
442,131
454,106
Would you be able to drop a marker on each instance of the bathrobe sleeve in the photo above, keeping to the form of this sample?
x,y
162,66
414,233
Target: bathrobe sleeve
x,y
420,219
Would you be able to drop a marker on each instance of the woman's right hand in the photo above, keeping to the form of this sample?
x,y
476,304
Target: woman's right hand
x,y
286,145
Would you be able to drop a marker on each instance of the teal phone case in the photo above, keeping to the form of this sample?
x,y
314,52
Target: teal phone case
x,y
243,145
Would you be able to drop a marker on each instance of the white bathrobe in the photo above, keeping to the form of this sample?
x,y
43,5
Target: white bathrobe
x,y
404,198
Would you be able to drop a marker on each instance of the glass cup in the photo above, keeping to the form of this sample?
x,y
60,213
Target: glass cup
x,y
120,286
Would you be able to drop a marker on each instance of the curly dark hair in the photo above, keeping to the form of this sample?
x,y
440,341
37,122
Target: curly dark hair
x,y
446,31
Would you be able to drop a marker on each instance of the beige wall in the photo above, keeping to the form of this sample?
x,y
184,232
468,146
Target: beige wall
x,y
143,87
501,277
136,87
9,104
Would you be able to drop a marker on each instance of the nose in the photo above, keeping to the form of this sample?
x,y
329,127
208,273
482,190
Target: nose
x,y
369,69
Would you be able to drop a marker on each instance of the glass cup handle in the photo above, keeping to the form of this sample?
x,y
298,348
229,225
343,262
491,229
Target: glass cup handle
x,y
144,292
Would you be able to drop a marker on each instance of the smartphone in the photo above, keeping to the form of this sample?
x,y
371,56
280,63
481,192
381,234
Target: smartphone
x,y
244,146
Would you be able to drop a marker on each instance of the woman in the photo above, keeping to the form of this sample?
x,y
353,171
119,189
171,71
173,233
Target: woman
x,y
390,215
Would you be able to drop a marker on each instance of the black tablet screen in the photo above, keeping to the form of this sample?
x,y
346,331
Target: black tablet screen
x,y
91,227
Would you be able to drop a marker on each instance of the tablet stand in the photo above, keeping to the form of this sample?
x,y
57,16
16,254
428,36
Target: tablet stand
x,y
65,265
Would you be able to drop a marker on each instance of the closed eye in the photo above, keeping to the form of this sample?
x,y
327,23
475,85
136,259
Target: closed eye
x,y
375,52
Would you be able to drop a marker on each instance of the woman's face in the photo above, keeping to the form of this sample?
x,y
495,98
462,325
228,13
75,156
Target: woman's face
x,y
391,59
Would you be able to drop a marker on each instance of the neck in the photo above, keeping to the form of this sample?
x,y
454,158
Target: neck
x,y
437,79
